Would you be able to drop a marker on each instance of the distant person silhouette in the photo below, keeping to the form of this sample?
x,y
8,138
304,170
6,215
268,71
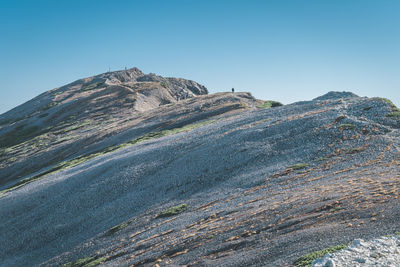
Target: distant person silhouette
x,y
233,90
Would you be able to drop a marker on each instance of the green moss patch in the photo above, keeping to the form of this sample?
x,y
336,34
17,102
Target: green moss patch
x,y
92,86
173,211
43,115
85,262
299,166
270,104
395,110
354,150
306,260
49,106
347,126
394,114
117,228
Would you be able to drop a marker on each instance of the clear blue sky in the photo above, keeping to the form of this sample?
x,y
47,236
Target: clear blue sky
x,y
287,50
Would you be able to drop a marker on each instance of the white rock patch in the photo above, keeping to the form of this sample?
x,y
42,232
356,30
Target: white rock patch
x,y
384,251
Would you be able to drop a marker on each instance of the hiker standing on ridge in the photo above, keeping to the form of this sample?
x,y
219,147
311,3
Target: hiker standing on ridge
x,y
233,90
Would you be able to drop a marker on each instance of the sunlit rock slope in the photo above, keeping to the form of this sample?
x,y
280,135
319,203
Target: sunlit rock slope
x,y
209,180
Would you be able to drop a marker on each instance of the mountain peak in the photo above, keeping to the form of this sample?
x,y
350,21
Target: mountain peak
x,y
121,76
336,95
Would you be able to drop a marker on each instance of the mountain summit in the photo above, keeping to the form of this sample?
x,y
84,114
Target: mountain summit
x,y
128,169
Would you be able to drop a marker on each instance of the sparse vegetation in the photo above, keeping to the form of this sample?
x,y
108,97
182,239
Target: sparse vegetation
x,y
336,209
19,135
306,260
3,122
117,228
49,106
299,166
92,86
11,120
43,115
85,262
81,159
387,101
347,126
270,104
164,84
394,114
173,211
354,150
395,110
74,126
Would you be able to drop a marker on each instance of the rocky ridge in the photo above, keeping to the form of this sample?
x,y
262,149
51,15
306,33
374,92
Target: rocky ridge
x,y
210,180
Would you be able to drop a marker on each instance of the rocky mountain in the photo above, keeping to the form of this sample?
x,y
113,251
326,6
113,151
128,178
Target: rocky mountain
x,y
55,125
128,169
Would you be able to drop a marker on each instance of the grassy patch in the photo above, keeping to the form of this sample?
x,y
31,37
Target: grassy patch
x,y
92,86
164,84
270,104
19,135
73,127
9,121
298,166
394,114
347,126
117,228
388,101
321,159
43,115
49,106
306,260
354,150
336,209
395,110
85,262
173,211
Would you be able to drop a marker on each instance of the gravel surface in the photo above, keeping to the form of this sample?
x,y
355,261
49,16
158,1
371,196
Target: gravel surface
x,y
384,251
263,187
